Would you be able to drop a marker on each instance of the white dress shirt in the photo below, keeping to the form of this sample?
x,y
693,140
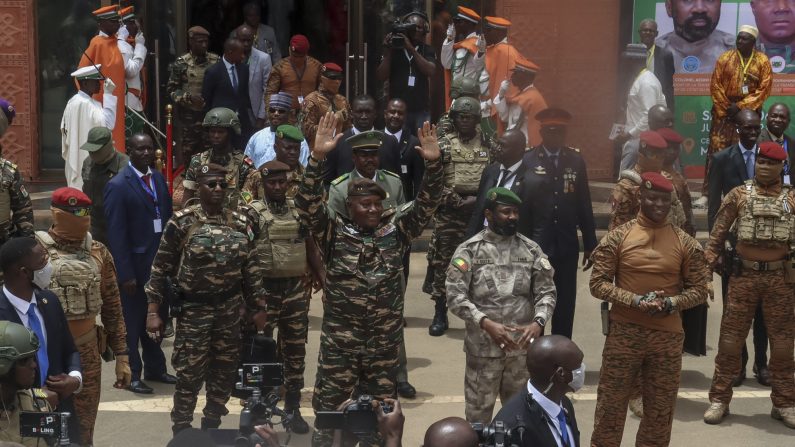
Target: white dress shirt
x,y
260,148
397,134
645,93
229,69
551,409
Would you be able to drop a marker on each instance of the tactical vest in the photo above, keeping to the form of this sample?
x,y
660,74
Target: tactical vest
x,y
465,165
281,247
76,278
766,219
195,74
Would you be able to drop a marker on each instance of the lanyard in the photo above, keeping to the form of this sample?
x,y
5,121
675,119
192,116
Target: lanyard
x,y
745,64
410,58
151,193
650,57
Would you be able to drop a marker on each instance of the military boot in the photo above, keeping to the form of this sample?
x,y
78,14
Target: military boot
x,y
292,403
427,285
439,323
785,415
210,423
176,428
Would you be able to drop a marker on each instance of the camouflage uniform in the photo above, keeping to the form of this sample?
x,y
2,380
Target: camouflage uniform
x,y
509,280
254,188
625,202
284,78
315,105
338,192
363,297
185,79
213,262
95,177
87,266
683,194
463,165
241,175
33,400
16,209
750,209
444,126
637,257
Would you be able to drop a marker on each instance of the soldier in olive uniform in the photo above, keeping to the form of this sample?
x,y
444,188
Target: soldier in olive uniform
x,y
17,377
464,156
363,304
461,87
210,252
759,213
103,163
500,283
287,146
185,86
16,209
220,123
325,99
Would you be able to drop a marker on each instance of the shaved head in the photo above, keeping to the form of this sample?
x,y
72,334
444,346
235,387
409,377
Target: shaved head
x,y
659,117
450,432
548,353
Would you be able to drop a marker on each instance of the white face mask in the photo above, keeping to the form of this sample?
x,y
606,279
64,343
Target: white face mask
x,y
577,379
42,277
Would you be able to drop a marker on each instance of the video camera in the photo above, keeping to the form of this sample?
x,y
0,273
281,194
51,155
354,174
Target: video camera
x,y
53,427
358,418
400,29
497,434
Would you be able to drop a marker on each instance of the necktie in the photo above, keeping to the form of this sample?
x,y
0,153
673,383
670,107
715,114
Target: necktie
x,y
146,178
554,158
506,174
564,432
41,355
233,76
749,164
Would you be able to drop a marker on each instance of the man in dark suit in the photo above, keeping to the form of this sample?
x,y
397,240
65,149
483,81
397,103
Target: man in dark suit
x,y
340,160
412,166
730,168
26,270
226,85
661,62
559,182
137,207
508,171
778,119
555,366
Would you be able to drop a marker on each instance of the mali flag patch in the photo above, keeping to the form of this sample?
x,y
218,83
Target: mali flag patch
x,y
461,264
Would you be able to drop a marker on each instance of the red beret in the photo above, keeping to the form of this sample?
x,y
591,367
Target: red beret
x,y
655,181
653,140
670,135
773,151
299,43
331,66
70,197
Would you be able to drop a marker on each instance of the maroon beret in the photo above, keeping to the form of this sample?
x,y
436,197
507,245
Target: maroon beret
x,y
653,140
773,151
670,135
655,181
70,197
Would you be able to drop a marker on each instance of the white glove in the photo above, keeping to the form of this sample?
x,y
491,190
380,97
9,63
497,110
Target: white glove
x,y
109,86
139,39
122,33
451,32
481,44
504,86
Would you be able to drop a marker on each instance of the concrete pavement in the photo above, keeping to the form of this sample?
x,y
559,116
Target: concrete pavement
x,y
436,368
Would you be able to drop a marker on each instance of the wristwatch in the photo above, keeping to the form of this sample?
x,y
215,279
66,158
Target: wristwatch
x,y
541,321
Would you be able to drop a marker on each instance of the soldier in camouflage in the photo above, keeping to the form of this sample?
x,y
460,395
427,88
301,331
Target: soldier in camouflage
x,y
287,147
16,209
209,252
671,155
501,284
760,214
185,86
461,87
649,270
241,174
325,99
84,279
363,295
464,156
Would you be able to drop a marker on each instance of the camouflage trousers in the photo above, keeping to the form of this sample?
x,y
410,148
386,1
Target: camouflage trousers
x,y
448,233
288,311
339,372
87,400
191,134
745,294
206,352
486,378
637,356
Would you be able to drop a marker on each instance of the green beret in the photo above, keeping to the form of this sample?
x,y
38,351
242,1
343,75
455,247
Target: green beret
x,y
503,196
365,187
289,132
369,140
273,167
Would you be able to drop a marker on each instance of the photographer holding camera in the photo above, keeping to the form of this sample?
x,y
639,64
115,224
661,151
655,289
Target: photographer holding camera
x,y
408,63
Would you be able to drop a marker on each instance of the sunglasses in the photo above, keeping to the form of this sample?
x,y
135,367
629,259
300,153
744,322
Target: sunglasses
x,y
79,212
214,184
277,110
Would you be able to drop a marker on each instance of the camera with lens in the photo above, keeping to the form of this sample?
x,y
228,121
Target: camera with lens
x,y
358,418
52,427
497,434
400,29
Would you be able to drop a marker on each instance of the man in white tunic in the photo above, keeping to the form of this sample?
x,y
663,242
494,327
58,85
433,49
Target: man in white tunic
x,y
133,50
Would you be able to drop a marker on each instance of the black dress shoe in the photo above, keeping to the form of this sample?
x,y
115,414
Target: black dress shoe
x,y
137,386
762,375
162,378
738,381
405,389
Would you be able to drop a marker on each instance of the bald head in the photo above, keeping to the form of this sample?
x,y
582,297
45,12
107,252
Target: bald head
x,y
659,117
450,432
548,353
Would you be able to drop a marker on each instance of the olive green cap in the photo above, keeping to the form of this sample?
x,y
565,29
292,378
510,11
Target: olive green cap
x,y
503,196
465,104
366,141
365,187
289,132
98,137
273,167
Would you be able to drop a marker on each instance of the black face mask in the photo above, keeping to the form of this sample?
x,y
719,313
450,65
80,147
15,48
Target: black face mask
x,y
507,228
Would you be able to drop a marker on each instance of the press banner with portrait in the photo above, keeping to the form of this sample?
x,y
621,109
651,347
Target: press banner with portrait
x,y
697,32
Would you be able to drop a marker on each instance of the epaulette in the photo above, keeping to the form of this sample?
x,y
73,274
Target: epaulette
x,y
10,165
575,149
390,173
340,179
39,393
184,212
630,175
248,160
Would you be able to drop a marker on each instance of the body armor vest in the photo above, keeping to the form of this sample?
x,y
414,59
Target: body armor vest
x,y
283,251
466,164
76,278
766,219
